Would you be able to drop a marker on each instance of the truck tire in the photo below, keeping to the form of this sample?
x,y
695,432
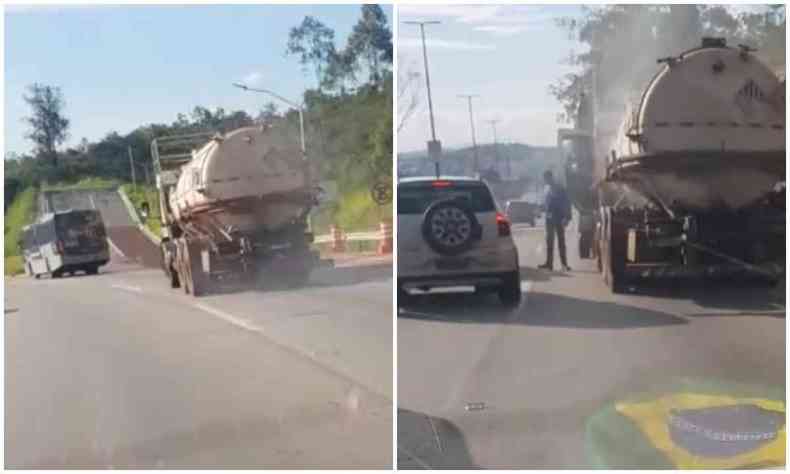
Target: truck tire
x,y
614,246
198,280
92,270
168,266
450,227
585,244
180,267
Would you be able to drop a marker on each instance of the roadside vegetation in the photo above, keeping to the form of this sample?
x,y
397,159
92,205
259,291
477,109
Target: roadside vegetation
x,y
143,193
19,214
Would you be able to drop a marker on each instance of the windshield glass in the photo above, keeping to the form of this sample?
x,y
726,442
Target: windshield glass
x,y
81,231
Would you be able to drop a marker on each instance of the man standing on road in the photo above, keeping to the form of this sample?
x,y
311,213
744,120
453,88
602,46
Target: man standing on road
x,y
558,215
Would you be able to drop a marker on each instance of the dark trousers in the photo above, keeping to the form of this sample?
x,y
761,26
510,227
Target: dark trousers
x,y
552,228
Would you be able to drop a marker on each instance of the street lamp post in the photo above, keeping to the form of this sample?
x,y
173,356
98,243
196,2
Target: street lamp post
x,y
434,147
293,104
469,98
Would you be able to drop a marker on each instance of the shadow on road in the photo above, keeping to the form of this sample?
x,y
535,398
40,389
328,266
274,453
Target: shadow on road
x,y
536,275
537,309
743,296
427,442
351,275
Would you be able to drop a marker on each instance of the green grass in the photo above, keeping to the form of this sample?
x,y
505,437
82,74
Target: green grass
x,y
140,194
357,212
90,182
19,214
14,265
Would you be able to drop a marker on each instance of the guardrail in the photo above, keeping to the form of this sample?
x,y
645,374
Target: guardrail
x,y
337,238
350,237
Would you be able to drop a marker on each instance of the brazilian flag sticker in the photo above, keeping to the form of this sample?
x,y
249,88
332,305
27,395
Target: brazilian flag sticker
x,y
694,426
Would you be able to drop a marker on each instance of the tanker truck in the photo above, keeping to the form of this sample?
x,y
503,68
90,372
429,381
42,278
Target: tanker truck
x,y
692,184
234,206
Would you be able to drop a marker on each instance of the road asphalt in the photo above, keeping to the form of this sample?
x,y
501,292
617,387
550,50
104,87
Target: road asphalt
x,y
118,370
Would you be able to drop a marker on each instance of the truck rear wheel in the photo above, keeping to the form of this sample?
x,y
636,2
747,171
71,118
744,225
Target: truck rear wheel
x,y
585,244
169,265
195,277
614,250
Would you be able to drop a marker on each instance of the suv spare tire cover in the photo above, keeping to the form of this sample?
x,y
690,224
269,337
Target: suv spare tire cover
x,y
450,227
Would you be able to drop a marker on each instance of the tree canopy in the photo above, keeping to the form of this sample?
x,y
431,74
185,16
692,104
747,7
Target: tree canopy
x,y
623,42
48,126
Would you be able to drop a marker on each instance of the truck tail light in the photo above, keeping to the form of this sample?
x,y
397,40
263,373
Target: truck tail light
x,y
502,224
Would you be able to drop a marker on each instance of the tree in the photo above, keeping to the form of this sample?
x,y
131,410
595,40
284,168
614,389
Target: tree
x,y
49,128
267,114
624,42
370,41
314,43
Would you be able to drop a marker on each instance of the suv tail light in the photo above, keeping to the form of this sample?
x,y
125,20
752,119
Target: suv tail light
x,y
502,224
441,184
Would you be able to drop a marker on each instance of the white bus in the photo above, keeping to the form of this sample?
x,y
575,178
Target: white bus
x,y
64,243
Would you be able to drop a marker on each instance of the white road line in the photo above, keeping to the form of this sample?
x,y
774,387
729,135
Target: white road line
x,y
454,395
135,289
229,318
116,249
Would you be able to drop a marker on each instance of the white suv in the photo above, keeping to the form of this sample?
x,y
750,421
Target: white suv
x,y
450,233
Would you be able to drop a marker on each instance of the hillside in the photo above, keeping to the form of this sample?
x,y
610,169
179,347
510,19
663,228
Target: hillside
x,y
526,161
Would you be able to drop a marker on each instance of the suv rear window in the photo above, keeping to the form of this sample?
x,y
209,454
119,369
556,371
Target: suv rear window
x,y
416,199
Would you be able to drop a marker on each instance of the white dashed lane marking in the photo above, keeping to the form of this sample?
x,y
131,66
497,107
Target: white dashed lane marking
x,y
135,289
229,318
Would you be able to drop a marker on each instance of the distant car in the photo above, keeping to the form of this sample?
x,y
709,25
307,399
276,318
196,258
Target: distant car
x,y
450,234
522,211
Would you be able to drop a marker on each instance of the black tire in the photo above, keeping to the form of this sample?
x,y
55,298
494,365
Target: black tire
x,y
585,244
57,274
181,267
92,270
510,292
450,227
198,280
613,261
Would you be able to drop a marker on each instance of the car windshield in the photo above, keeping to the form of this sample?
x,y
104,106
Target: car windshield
x,y
415,200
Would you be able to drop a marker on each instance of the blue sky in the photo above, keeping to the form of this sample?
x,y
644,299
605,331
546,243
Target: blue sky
x,y
509,55
123,66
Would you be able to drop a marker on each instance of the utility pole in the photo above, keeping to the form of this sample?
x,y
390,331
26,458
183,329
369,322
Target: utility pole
x,y
496,150
469,98
131,165
147,176
299,108
434,146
